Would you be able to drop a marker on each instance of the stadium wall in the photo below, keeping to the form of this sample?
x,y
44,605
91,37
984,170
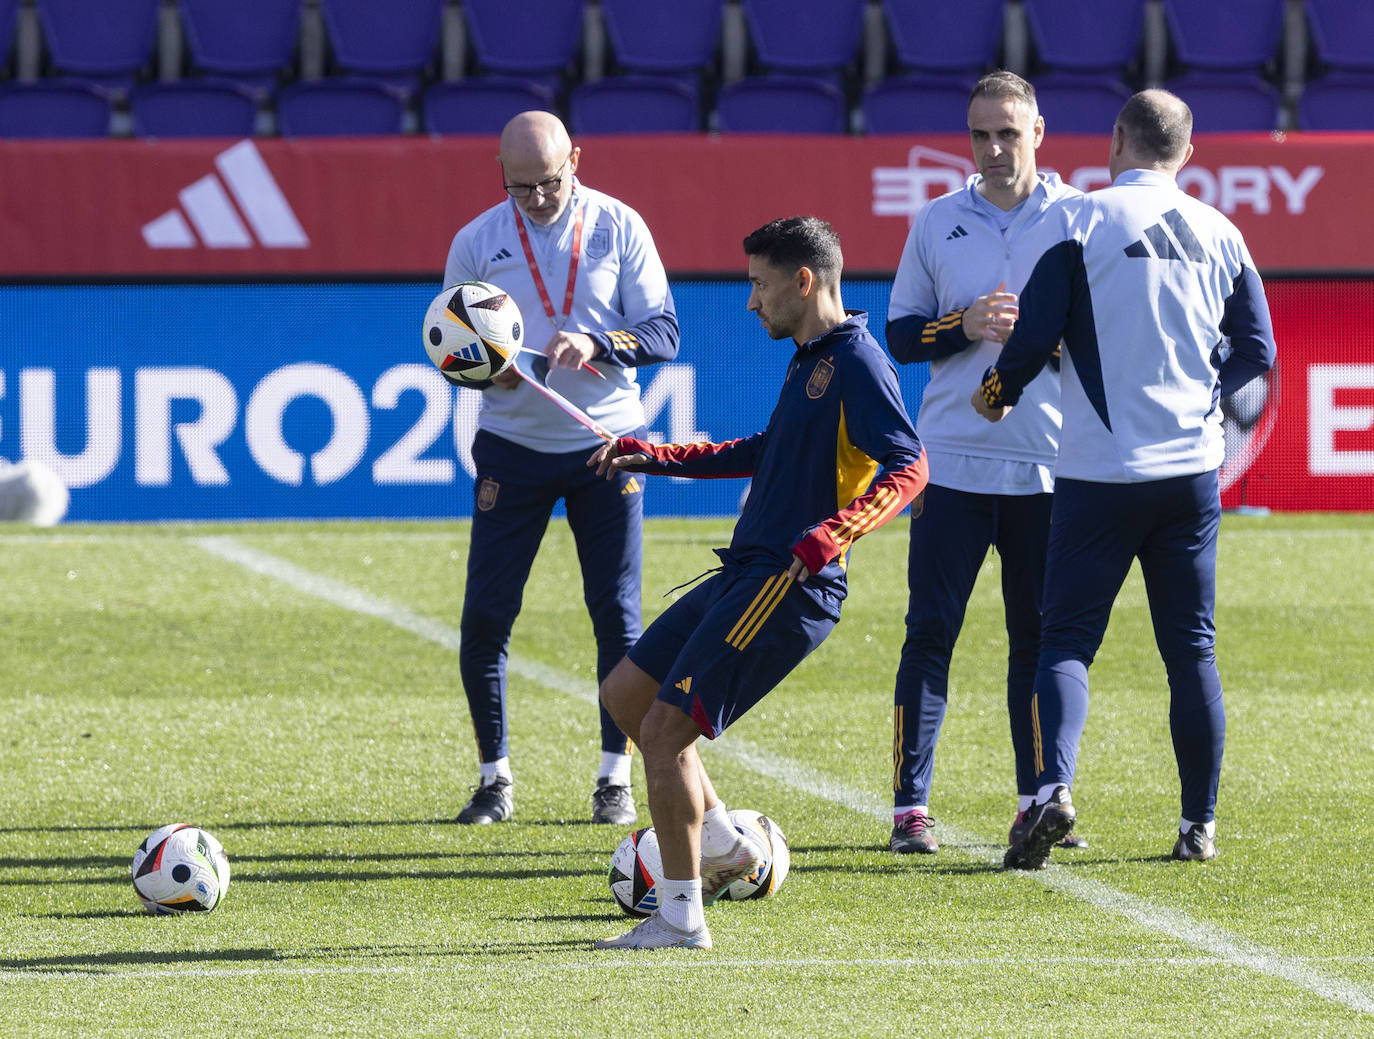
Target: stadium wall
x,y
203,330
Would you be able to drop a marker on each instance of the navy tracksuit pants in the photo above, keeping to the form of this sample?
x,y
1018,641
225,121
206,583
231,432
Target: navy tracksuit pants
x,y
950,537
1099,528
513,496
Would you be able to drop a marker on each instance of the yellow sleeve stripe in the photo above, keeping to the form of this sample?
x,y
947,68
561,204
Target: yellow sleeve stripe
x,y
944,324
622,340
873,515
759,610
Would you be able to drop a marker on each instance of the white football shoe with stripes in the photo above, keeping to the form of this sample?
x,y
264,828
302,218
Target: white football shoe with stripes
x,y
657,933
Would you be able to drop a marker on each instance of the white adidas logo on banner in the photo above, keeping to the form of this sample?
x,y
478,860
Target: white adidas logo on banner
x,y
214,221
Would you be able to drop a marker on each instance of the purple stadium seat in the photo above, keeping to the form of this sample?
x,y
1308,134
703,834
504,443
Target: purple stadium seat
x,y
193,108
391,41
1228,101
9,15
54,108
101,40
781,104
917,103
247,39
1224,34
945,35
1080,103
634,104
1343,32
804,35
337,107
524,38
681,36
1338,101
481,104
1086,35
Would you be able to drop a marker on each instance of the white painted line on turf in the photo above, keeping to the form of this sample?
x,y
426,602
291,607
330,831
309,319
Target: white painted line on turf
x,y
1148,914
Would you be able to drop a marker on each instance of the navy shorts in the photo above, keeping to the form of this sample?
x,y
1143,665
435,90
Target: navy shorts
x,y
724,645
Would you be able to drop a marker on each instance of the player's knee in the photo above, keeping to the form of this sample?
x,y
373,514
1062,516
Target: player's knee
x,y
627,694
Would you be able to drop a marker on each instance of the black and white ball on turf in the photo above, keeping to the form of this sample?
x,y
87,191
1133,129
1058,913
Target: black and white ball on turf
x,y
636,869
777,857
180,869
472,332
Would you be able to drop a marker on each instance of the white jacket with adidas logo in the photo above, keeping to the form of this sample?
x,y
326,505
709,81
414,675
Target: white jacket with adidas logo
x,y
1161,312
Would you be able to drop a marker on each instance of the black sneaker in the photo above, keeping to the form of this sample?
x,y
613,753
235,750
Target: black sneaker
x,y
1070,840
912,834
612,803
491,803
1195,845
1047,824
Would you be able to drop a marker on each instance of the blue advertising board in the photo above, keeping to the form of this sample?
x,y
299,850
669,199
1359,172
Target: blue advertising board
x,y
314,400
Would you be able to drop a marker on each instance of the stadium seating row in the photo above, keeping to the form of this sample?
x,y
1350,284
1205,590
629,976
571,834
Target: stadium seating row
x,y
877,66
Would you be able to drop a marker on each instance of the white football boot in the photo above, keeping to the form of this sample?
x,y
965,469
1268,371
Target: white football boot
x,y
657,933
720,871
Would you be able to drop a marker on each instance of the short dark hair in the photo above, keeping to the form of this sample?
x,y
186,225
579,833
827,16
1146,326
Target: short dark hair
x,y
799,241
1157,124
1005,86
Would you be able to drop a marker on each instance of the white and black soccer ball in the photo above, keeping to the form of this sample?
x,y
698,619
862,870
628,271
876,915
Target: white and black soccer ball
x,y
180,868
472,332
777,857
636,869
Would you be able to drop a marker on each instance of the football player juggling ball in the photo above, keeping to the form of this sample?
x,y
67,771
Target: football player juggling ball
x,y
1161,313
953,303
584,271
838,459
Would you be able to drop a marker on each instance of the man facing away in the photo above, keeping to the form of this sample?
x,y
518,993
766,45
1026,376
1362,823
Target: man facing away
x,y
838,459
990,486
593,294
1162,313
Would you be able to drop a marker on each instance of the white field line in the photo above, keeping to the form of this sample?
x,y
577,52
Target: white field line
x,y
1215,942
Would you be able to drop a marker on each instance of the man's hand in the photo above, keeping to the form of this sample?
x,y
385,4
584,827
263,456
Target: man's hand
x,y
988,412
607,461
507,380
570,349
797,571
991,316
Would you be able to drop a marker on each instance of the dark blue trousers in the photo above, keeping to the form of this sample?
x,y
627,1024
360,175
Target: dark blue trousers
x,y
950,537
1098,529
514,495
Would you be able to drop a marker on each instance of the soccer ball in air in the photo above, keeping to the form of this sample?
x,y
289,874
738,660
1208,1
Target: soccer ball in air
x,y
180,869
776,861
636,869
472,332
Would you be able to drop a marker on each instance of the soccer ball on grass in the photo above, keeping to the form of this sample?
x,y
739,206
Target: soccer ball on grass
x,y
180,869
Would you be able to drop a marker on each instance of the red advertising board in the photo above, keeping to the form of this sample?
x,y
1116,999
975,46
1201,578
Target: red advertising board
x,y
389,206
1303,439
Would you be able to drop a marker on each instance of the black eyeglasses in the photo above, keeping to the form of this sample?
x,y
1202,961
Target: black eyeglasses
x,y
544,187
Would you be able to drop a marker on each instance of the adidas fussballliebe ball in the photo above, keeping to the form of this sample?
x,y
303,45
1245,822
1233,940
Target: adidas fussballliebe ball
x,y
472,332
180,869
777,857
636,869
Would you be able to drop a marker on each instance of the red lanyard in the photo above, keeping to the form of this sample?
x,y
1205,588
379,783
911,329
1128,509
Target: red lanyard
x,y
558,319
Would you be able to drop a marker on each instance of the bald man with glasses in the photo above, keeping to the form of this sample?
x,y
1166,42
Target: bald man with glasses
x,y
594,297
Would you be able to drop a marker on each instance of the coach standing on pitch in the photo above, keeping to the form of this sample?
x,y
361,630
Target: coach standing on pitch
x,y
1162,313
584,271
990,486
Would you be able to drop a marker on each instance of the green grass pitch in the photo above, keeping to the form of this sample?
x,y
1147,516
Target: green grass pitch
x,y
293,688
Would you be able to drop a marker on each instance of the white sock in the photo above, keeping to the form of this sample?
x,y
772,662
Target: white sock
x,y
1046,792
718,833
902,810
615,768
1024,801
679,903
1184,825
494,770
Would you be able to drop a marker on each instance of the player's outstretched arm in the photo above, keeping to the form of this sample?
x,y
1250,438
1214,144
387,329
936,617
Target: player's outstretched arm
x,y
609,458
